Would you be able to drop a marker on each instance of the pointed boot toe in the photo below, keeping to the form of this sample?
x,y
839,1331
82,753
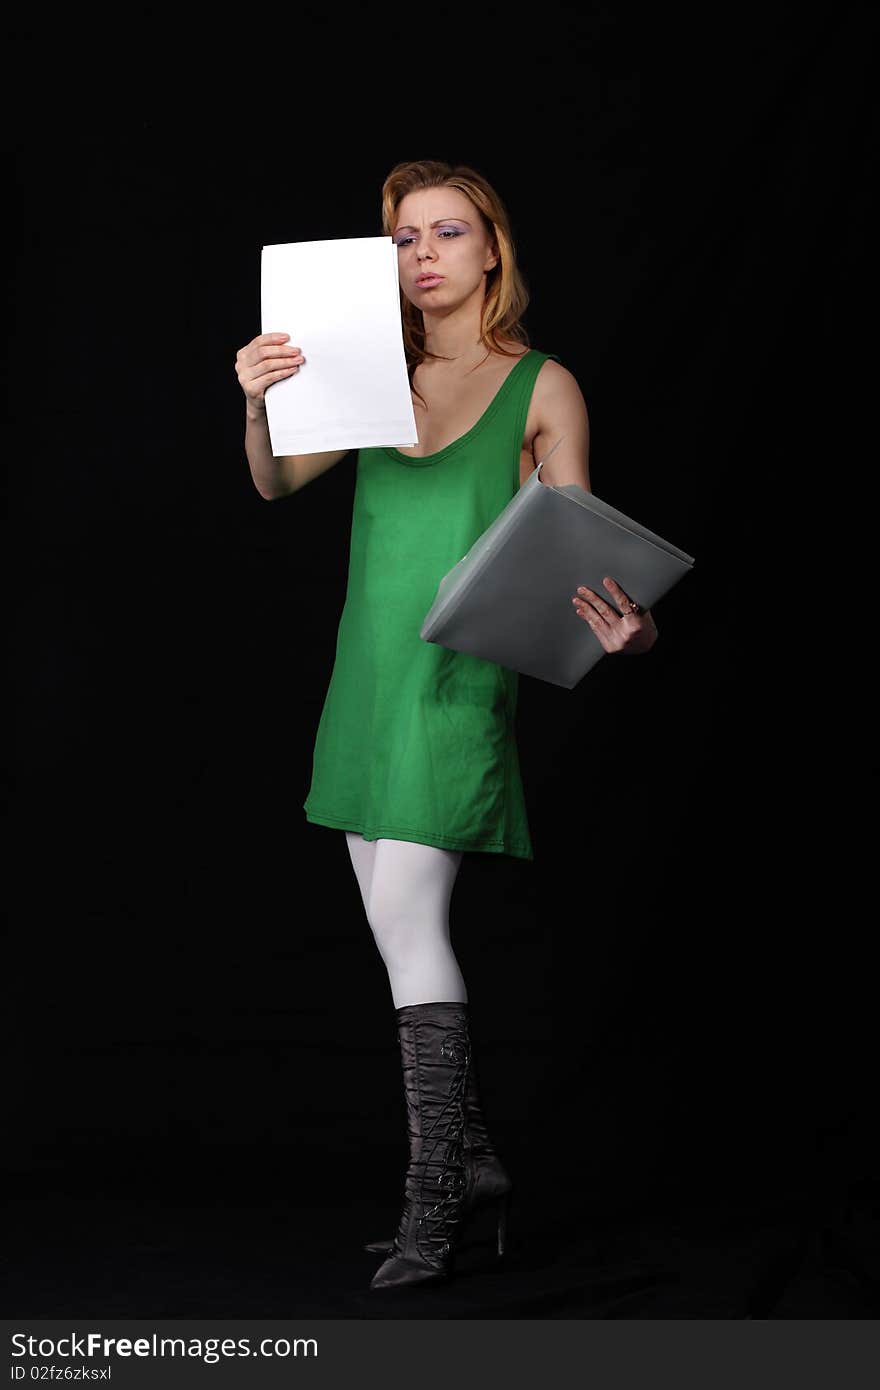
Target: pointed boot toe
x,y
397,1271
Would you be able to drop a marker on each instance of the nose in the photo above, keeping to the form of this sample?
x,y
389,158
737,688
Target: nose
x,y
425,251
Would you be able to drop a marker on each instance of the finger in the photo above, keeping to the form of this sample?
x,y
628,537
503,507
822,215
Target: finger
x,y
266,381
251,355
275,363
609,635
594,620
275,350
251,350
622,599
259,380
599,604
256,375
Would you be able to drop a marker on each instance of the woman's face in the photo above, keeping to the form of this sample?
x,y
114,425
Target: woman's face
x,y
439,233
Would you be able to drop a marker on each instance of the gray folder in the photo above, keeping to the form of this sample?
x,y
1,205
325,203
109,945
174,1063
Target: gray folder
x,y
508,599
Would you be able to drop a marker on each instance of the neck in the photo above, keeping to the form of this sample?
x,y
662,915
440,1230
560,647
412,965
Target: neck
x,y
456,335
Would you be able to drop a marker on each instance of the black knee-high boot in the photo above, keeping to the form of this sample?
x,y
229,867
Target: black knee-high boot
x,y
435,1053
486,1180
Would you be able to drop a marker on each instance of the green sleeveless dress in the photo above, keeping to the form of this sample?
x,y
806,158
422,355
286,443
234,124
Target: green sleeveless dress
x,y
415,741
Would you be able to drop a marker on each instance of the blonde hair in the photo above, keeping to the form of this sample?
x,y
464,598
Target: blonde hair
x,y
506,293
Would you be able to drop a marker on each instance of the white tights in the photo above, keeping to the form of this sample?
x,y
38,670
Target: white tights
x,y
406,889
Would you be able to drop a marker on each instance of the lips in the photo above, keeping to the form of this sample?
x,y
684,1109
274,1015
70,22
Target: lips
x,y
425,280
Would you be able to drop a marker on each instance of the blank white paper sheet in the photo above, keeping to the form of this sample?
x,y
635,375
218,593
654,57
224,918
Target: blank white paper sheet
x,y
340,302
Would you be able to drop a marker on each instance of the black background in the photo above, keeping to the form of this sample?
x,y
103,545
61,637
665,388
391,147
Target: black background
x,y
671,1005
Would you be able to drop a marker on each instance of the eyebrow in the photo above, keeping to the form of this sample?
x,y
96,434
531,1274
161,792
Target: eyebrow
x,y
433,224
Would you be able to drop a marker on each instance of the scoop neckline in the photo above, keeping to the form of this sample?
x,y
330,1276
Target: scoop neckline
x,y
427,459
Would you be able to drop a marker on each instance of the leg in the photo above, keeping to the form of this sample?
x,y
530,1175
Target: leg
x,y
408,910
406,890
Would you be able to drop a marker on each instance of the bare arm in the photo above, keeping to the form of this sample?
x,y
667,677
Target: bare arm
x,y
276,477
562,414
264,360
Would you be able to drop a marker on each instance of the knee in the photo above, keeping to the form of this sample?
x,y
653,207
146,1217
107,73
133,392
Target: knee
x,y
391,929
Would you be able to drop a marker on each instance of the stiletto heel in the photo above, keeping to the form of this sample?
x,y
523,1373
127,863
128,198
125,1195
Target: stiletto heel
x,y
503,1209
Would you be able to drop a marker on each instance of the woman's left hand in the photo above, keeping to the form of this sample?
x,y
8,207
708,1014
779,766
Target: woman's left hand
x,y
630,631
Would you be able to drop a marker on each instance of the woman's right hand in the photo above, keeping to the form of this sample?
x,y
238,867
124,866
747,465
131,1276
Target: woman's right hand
x,y
266,358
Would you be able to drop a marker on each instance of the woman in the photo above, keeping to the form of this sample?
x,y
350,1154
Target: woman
x,y
415,755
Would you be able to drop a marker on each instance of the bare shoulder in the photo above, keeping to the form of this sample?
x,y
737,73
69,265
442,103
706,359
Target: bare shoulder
x,y
557,384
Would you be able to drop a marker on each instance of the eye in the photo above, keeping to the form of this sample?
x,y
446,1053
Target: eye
x,y
447,233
